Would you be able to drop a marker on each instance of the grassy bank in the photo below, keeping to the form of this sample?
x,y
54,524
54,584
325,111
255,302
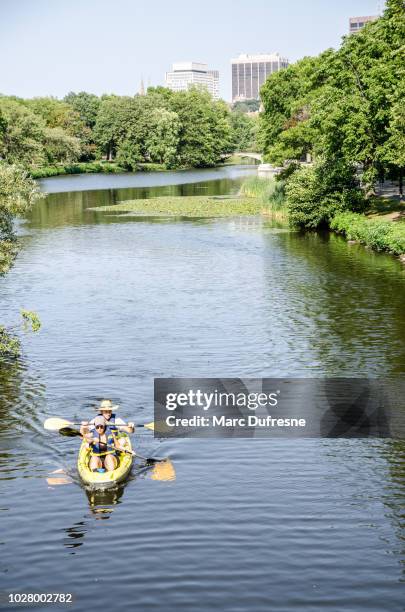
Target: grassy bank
x,y
269,192
379,234
188,206
89,167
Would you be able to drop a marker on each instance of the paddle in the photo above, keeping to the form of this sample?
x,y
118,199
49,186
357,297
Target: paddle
x,y
56,424
68,431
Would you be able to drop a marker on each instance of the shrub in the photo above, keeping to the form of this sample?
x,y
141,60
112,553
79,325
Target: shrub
x,y
376,233
315,194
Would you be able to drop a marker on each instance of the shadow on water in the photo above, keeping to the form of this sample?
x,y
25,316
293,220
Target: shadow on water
x,y
101,504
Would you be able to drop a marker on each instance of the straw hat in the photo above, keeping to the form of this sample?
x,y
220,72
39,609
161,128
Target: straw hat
x,y
106,404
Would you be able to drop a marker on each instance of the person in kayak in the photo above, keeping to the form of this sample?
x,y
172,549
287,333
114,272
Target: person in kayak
x,y
107,409
103,446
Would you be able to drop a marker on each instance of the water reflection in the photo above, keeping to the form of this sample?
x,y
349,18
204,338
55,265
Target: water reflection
x,y
63,209
75,534
344,303
102,502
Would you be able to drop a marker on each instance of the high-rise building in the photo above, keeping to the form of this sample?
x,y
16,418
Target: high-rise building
x,y
188,74
249,72
356,23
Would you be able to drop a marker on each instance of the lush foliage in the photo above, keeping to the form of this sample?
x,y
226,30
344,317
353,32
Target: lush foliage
x,y
345,109
77,168
162,127
247,106
18,192
244,131
205,134
10,345
316,193
376,233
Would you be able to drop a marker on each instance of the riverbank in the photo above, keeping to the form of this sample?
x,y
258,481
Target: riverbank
x,y
380,235
105,167
381,227
91,168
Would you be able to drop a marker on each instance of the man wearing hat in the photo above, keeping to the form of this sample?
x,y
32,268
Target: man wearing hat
x,y
115,424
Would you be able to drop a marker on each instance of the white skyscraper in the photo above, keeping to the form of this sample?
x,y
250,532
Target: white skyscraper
x,y
188,74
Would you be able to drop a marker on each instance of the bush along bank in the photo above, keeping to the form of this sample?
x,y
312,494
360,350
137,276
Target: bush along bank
x,y
378,234
89,167
307,210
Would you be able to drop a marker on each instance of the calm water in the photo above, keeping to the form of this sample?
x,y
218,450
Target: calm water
x,y
246,524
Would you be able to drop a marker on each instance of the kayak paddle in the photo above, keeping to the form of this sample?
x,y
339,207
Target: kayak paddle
x,y
56,423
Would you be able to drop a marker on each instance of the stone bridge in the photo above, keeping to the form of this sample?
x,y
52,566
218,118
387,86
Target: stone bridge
x,y
257,156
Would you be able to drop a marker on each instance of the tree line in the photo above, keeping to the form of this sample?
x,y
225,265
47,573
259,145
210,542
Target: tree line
x,y
345,109
173,129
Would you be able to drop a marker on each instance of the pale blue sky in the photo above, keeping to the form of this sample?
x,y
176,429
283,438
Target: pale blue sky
x,y
51,47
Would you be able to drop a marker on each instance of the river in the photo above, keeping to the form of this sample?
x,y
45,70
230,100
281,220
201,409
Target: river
x,y
258,525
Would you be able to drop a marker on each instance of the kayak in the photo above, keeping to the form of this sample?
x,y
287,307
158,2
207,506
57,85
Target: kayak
x,y
105,479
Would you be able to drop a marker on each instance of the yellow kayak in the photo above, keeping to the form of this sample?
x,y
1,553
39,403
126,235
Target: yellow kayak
x,y
105,479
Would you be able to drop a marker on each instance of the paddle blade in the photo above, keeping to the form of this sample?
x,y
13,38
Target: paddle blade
x,y
55,423
163,471
69,432
52,482
150,426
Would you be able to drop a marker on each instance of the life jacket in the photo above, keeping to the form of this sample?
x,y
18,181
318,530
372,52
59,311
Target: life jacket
x,y
100,449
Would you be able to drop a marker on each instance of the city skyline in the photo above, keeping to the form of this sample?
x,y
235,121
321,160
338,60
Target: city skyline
x,y
184,75
111,48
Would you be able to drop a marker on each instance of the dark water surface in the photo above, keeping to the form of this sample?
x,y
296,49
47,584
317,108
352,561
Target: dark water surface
x,y
246,524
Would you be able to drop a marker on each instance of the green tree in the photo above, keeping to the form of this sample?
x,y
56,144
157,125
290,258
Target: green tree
x,y
109,130
63,116
18,193
205,135
243,130
246,106
86,105
163,137
60,147
343,107
22,134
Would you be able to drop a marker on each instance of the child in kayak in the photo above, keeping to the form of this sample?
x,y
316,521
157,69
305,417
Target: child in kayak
x,y
103,446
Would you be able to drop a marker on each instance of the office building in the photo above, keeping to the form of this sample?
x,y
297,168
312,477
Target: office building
x,y
249,72
188,74
356,23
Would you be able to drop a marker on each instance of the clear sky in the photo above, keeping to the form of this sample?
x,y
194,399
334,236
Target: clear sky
x,y
51,47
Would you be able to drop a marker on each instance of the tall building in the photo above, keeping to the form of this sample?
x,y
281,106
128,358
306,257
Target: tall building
x,y
249,72
188,74
356,23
